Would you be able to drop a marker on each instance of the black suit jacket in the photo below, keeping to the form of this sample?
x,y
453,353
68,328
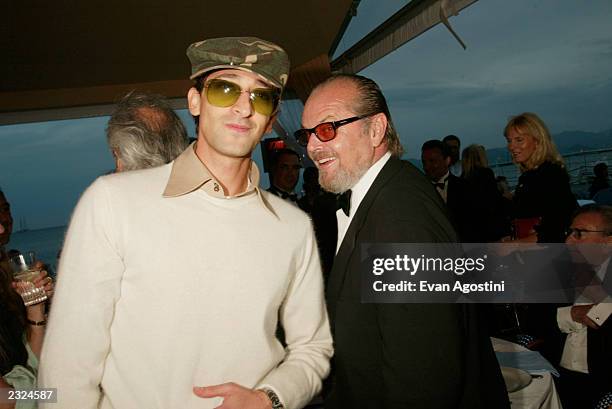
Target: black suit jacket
x,y
458,202
404,355
489,217
599,355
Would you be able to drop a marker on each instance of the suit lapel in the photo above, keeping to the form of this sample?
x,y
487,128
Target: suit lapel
x,y
347,248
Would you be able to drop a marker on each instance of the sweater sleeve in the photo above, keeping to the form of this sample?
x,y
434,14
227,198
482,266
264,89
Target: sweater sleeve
x,y
309,344
78,335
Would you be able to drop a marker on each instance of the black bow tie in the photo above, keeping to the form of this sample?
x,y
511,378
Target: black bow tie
x,y
343,201
290,196
440,185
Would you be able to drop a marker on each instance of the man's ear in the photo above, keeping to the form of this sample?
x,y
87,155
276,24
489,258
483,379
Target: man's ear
x,y
448,160
270,123
118,164
194,99
378,129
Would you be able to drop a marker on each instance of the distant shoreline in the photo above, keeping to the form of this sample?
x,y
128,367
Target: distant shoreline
x,y
42,228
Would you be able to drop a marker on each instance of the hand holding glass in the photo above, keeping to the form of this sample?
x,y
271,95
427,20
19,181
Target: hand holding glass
x,y
25,271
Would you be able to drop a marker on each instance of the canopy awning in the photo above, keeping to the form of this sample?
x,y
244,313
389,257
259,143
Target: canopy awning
x,y
69,59
409,22
65,59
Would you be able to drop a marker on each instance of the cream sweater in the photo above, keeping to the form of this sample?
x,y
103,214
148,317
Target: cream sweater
x,y
156,295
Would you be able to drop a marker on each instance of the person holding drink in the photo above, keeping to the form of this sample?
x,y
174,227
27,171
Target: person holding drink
x,y
22,327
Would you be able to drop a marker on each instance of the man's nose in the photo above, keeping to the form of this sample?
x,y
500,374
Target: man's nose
x,y
243,106
313,143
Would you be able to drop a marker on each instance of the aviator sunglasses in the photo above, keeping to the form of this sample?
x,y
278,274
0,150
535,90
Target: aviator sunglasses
x,y
326,131
223,94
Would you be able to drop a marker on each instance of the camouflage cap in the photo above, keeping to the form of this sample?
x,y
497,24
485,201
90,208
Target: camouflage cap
x,y
264,58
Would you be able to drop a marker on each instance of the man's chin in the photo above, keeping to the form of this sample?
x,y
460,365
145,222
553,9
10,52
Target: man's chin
x,y
336,185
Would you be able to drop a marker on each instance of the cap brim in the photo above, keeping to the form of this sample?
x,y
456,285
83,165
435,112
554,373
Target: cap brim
x,y
235,67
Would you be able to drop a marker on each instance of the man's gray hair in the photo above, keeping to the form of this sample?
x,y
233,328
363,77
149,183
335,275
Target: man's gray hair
x,y
144,131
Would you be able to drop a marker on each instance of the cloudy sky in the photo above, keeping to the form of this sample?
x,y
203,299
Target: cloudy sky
x,y
552,57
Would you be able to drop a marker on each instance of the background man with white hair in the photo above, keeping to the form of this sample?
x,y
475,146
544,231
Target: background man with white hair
x,y
144,131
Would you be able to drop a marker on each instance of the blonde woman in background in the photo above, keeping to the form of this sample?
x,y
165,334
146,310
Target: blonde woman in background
x,y
543,190
542,206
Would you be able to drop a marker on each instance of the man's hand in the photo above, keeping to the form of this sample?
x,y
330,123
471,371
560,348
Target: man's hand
x,y
579,314
43,279
235,396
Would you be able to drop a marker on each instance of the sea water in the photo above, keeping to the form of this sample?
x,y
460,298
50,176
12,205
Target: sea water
x,y
47,243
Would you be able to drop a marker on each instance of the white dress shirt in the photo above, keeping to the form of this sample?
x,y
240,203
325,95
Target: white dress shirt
x,y
443,191
358,193
574,355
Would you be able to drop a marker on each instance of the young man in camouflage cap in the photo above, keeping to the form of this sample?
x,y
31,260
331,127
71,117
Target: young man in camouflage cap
x,y
167,295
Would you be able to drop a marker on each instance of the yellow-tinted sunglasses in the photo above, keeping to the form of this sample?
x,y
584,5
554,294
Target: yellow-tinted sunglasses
x,y
223,94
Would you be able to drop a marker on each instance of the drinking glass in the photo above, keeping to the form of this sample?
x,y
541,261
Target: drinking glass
x,y
24,272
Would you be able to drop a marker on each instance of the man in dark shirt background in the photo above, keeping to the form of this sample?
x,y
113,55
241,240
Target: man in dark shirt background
x,y
284,174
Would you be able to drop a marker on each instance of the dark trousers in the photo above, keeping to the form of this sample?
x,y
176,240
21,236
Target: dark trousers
x,y
577,390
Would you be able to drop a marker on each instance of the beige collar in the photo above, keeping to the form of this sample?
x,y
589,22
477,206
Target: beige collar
x,y
190,174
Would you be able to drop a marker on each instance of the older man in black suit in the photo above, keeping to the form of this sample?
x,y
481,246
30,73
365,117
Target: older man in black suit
x,y
586,361
388,355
